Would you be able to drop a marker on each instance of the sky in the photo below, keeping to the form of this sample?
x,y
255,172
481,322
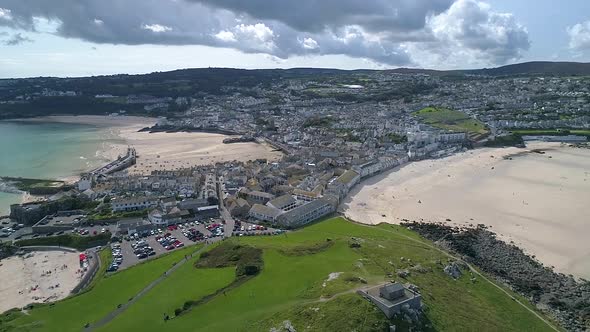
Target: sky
x,y
97,37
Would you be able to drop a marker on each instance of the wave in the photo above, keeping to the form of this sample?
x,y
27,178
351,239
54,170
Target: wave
x,y
9,188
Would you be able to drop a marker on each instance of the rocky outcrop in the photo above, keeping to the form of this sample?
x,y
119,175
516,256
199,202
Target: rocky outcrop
x,y
285,327
562,296
453,270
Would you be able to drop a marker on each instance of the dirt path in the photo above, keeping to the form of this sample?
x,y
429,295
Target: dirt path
x,y
113,314
470,268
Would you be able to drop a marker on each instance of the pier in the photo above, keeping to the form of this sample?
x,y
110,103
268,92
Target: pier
x,y
121,163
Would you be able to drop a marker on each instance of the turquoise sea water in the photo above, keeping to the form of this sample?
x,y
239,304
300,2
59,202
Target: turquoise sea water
x,y
49,151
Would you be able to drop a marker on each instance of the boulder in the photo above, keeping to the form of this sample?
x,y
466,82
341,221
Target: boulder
x,y
453,270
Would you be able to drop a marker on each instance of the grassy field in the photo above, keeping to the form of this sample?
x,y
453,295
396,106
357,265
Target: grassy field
x,y
452,120
73,313
293,286
583,132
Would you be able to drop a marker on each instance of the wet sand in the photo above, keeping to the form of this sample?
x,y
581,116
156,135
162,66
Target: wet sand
x,y
170,151
539,201
26,279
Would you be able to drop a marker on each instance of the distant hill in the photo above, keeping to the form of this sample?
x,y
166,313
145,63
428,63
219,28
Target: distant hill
x,y
525,68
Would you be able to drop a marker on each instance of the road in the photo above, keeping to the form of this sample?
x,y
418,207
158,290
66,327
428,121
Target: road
x,y
225,215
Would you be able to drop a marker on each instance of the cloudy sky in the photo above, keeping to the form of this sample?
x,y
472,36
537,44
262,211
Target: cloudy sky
x,y
90,37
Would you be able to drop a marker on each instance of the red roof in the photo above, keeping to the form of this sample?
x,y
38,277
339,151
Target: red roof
x,y
82,257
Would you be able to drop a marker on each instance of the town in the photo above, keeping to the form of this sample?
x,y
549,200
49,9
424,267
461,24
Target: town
x,y
332,132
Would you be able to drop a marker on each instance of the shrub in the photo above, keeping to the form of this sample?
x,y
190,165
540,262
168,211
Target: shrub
x,y
68,240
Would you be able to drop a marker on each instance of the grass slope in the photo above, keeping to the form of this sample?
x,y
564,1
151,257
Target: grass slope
x,y
73,313
187,283
451,120
293,286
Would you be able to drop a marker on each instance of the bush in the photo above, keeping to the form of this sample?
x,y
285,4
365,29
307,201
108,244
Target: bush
x,y
247,270
247,259
177,311
187,305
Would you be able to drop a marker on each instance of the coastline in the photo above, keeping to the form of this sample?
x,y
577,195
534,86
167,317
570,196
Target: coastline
x,y
538,201
162,150
93,120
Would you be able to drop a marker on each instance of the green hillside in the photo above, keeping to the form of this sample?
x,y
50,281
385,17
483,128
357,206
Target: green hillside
x,y
292,285
447,119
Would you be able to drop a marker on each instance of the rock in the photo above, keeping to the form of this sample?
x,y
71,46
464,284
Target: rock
x,y
403,273
420,269
288,326
453,270
285,327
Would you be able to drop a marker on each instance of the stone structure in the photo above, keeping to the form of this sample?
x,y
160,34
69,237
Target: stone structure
x,y
390,298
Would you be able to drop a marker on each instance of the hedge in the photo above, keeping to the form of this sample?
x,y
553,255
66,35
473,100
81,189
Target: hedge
x,y
68,240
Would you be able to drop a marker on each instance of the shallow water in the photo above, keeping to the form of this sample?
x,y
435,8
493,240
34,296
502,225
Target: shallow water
x,y
49,151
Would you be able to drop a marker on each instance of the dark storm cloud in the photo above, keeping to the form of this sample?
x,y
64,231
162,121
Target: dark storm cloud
x,y
380,30
317,15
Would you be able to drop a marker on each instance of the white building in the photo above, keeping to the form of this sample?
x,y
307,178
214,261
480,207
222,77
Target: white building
x,y
133,203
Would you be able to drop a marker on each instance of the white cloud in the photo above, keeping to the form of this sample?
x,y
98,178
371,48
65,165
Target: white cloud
x,y
309,44
258,31
256,36
470,33
579,36
5,14
430,33
156,28
225,36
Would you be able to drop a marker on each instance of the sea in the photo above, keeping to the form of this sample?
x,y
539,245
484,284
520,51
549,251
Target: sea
x,y
49,151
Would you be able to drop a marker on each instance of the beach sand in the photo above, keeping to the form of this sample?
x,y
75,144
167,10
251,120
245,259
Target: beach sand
x,y
24,279
169,151
539,201
165,151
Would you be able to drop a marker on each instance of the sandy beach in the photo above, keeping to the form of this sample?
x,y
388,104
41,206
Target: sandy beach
x,y
34,277
539,201
169,151
166,151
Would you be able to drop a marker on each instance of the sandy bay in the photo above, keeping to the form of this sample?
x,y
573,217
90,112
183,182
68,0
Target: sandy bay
x,y
539,201
158,151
